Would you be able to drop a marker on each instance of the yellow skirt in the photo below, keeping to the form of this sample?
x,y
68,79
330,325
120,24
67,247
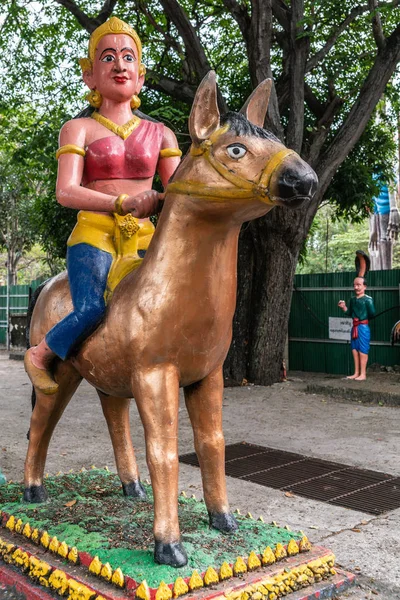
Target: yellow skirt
x,y
120,236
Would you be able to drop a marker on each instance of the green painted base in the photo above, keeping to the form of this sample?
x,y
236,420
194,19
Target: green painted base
x,y
87,516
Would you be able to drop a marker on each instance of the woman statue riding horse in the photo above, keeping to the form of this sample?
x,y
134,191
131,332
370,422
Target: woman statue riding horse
x,y
107,161
169,323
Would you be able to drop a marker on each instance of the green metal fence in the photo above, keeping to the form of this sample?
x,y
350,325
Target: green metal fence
x,y
15,300
315,299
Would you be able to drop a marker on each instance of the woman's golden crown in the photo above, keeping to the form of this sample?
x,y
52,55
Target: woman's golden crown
x,y
115,26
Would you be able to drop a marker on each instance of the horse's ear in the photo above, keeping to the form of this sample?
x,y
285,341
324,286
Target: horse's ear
x,y
256,105
204,116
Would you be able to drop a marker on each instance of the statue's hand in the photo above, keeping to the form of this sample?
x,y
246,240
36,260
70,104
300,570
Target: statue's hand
x,y
144,204
373,243
394,224
373,234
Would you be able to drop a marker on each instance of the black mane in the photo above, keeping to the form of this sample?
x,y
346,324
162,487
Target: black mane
x,y
241,126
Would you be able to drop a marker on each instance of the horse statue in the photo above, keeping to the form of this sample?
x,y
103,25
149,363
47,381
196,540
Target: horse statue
x,y
169,323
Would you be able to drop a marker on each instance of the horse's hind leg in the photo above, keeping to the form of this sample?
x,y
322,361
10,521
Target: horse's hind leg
x,y
204,405
116,412
45,416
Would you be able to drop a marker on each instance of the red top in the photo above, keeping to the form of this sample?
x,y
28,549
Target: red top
x,y
134,158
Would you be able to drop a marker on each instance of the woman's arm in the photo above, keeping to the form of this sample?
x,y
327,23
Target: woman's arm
x,y
167,166
69,191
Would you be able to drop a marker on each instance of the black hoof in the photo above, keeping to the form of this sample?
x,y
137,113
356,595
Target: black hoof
x,y
35,494
134,489
173,555
224,522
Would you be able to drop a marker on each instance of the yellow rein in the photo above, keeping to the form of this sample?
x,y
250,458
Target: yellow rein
x,y
244,188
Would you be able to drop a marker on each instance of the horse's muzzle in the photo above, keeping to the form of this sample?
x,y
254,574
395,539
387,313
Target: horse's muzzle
x,y
295,183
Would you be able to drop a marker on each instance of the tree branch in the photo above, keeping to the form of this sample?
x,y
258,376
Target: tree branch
x,y
241,16
377,25
354,13
86,22
170,41
194,49
176,89
359,115
297,62
317,108
258,51
320,134
282,14
320,55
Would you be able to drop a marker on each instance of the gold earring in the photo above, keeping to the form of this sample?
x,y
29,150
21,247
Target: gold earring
x,y
94,98
135,102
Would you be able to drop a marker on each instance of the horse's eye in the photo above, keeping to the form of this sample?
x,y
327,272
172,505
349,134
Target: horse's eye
x,y
236,150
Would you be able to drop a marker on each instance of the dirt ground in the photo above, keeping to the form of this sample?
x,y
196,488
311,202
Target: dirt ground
x,y
283,416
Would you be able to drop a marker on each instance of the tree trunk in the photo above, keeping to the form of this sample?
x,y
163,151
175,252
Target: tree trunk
x,y
12,261
268,252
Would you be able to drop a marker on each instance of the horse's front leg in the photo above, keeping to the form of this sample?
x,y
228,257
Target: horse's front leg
x,y
156,392
204,405
116,412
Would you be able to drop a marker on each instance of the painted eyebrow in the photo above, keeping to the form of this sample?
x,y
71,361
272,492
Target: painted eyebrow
x,y
107,50
114,50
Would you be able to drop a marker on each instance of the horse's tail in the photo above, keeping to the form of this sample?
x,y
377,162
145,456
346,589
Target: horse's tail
x,y
32,302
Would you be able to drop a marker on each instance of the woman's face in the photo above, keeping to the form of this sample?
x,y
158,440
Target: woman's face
x,y
115,71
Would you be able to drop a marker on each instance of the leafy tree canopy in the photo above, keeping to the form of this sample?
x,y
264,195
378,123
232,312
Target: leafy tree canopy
x,y
39,51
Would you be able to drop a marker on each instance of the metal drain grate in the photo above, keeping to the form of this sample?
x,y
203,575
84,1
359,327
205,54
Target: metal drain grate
x,y
367,491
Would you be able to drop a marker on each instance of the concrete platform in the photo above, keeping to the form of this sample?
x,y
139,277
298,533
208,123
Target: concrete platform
x,y
379,388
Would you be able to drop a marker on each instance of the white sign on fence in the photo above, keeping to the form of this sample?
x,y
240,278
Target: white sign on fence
x,y
340,328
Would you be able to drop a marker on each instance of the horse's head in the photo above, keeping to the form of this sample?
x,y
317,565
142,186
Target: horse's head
x,y
233,159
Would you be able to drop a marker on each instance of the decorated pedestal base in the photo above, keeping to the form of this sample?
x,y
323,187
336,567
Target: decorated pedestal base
x,y
88,542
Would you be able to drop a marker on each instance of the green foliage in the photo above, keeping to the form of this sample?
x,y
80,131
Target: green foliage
x,y
27,157
34,264
370,163
331,244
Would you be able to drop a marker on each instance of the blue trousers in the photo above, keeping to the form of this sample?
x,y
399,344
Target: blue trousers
x,y
88,269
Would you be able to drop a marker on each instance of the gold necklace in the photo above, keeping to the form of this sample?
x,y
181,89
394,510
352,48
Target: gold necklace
x,y
123,131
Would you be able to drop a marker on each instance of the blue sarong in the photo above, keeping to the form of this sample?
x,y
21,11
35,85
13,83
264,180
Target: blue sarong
x,y
362,342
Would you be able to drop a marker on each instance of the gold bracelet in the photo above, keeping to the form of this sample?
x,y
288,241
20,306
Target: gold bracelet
x,y
118,204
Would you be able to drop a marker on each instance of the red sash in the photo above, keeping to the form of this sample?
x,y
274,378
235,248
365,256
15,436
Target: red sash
x,y
356,323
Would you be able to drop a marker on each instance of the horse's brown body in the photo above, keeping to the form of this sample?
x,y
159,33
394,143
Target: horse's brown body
x,y
177,308
168,325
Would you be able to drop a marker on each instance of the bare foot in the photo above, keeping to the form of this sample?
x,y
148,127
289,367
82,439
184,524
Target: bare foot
x,y
352,377
361,378
41,378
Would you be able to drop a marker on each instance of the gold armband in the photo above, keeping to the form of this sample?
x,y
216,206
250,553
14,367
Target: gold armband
x,y
168,152
118,204
70,149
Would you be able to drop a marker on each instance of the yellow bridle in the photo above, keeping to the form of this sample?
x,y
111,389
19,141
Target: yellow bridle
x,y
244,188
